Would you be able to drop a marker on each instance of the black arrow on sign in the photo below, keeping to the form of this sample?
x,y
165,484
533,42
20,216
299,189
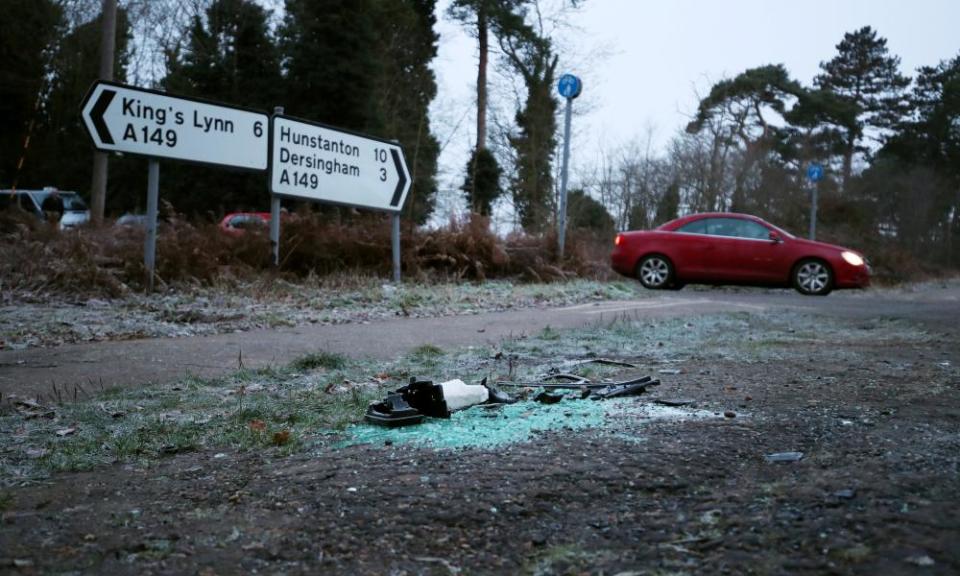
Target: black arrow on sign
x,y
97,112
401,181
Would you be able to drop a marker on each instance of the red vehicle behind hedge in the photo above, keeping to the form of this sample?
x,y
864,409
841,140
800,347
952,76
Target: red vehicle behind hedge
x,y
726,248
238,222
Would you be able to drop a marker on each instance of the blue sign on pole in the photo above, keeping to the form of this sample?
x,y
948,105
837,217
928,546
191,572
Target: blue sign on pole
x,y
815,172
569,86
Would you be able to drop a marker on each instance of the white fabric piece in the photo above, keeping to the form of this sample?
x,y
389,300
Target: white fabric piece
x,y
459,395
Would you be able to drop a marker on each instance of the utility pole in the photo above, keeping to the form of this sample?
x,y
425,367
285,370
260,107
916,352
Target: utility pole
x,y
108,38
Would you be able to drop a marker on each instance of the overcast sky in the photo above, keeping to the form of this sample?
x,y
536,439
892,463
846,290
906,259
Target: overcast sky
x,y
641,61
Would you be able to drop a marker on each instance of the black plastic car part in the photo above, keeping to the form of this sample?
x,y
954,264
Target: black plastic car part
x,y
393,412
627,388
497,396
545,397
425,397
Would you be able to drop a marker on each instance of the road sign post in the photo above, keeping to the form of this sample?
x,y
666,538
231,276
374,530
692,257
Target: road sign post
x,y
569,87
150,241
275,215
395,245
814,175
129,120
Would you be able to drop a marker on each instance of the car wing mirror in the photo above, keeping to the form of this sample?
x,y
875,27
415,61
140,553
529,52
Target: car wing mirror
x,y
774,237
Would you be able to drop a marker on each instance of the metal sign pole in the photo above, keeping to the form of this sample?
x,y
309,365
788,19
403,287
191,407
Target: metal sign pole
x,y
814,175
275,229
395,240
562,224
275,214
813,213
150,243
569,87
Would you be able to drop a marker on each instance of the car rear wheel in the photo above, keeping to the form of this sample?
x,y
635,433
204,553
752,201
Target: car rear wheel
x,y
813,278
655,272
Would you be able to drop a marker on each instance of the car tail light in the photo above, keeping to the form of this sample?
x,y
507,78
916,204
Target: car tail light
x,y
617,240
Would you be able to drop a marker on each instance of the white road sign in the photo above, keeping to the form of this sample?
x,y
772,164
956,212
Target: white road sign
x,y
137,121
325,164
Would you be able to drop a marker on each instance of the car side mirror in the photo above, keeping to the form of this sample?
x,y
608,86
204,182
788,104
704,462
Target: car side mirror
x,y
775,237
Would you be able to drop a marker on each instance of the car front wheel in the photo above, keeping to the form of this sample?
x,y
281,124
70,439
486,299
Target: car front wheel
x,y
813,278
655,272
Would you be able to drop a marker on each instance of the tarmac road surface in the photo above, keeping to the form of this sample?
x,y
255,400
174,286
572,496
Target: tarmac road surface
x,y
24,373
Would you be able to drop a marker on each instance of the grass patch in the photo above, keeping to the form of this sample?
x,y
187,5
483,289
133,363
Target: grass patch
x,y
426,352
328,360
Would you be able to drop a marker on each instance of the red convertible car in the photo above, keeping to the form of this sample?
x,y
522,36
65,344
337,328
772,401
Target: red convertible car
x,y
725,248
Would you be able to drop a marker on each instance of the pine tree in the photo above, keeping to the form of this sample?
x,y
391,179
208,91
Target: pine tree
x,y
745,108
532,185
61,152
483,18
28,29
585,213
864,76
229,57
405,88
668,208
332,62
482,184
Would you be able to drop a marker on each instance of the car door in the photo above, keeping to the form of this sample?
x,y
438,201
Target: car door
x,y
745,252
691,250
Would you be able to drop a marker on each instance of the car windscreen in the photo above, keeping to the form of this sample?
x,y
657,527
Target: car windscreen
x,y
71,200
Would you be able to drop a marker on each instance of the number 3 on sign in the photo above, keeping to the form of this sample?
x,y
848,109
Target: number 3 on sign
x,y
383,174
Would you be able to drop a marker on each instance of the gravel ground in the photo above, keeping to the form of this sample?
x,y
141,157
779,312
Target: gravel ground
x,y
863,415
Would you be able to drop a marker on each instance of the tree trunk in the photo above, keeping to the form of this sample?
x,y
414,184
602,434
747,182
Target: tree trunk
x,y
952,225
108,36
482,35
847,164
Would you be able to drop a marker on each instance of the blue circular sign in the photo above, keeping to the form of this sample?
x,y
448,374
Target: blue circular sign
x,y
815,172
569,86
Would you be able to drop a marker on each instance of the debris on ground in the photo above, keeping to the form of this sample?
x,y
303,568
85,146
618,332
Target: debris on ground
x,y
422,398
545,397
459,395
393,411
562,378
845,494
602,361
673,401
784,457
30,410
627,388
922,560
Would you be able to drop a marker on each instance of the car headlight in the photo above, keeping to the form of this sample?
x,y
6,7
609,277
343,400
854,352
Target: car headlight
x,y
852,258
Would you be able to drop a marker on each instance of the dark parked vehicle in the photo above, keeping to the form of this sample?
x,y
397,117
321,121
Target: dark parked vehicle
x,y
75,210
725,248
